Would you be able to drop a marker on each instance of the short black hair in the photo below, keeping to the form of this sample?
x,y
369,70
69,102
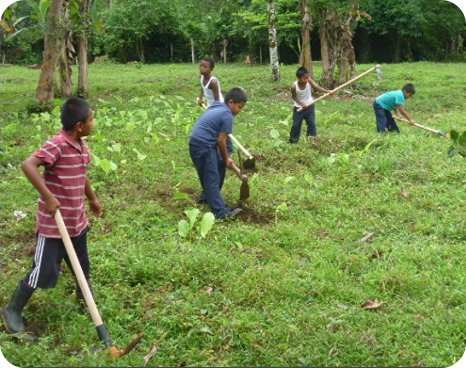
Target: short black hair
x,y
210,61
73,111
301,72
409,88
236,95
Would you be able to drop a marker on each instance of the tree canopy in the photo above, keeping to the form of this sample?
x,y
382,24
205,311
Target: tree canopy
x,y
162,30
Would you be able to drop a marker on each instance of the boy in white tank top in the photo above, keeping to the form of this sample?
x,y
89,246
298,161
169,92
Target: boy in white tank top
x,y
210,86
301,93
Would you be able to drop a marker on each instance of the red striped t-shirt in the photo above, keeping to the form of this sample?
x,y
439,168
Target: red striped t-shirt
x,y
65,176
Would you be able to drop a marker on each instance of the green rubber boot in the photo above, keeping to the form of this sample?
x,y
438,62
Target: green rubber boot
x,y
11,313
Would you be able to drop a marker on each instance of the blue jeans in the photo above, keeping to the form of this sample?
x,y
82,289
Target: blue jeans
x,y
384,120
211,171
309,115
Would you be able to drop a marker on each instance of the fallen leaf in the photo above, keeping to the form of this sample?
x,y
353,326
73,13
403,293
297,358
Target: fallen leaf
x,y
209,291
206,330
405,193
152,351
371,304
366,237
19,215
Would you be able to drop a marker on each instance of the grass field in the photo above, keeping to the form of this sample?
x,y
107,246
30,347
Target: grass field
x,y
283,285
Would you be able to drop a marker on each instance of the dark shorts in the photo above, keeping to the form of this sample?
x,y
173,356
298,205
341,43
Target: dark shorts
x,y
48,256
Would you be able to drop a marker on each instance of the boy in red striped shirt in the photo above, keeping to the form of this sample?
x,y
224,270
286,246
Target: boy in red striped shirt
x,y
62,185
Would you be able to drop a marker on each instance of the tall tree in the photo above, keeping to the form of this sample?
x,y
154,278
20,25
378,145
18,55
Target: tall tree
x,y
52,47
305,58
337,19
66,55
273,46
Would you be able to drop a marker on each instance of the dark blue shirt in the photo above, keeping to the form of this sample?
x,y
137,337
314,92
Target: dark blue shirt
x,y
218,118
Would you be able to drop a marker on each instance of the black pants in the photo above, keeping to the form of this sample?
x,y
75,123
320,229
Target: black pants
x,y
309,115
47,259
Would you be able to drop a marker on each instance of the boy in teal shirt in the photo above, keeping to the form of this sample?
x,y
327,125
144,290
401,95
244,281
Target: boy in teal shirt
x,y
393,100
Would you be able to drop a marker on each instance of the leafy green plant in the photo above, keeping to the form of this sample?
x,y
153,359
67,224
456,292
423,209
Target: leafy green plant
x,y
280,209
275,135
186,228
458,145
104,164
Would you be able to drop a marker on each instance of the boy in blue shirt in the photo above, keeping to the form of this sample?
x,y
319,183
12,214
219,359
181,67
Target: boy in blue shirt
x,y
208,149
393,100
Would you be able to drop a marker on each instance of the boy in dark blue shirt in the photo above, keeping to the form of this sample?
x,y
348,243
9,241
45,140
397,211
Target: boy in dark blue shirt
x,y
393,100
208,149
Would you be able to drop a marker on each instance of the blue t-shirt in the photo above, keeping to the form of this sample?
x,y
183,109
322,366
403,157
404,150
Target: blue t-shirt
x,y
391,99
218,118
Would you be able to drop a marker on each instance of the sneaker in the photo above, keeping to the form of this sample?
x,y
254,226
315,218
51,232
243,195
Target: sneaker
x,y
233,212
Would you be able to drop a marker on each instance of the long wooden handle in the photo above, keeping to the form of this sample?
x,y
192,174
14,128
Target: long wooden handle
x,y
78,271
240,146
237,171
439,132
340,87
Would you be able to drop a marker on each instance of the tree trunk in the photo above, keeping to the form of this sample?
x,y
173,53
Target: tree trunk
x,y
140,50
305,58
52,43
336,38
327,71
193,59
346,55
83,80
225,43
260,53
273,46
65,74
171,52
66,55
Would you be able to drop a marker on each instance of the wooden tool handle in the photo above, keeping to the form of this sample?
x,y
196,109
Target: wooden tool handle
x,y
238,173
339,87
240,146
439,132
78,271
202,104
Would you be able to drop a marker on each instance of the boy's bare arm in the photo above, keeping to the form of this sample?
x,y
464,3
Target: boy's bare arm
x,y
92,198
30,168
404,113
215,89
317,87
222,146
201,95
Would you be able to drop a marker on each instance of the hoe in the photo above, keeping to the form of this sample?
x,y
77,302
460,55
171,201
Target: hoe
x,y
377,69
439,132
244,190
89,299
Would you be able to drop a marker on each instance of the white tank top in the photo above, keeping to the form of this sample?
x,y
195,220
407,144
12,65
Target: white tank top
x,y
303,95
208,93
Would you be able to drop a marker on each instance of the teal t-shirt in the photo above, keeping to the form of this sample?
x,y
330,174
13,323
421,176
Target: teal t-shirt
x,y
391,99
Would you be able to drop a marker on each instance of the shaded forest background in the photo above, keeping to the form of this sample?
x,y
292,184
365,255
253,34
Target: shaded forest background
x,y
161,31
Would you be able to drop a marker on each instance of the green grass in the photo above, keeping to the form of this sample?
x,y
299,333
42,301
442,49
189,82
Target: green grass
x,y
278,287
